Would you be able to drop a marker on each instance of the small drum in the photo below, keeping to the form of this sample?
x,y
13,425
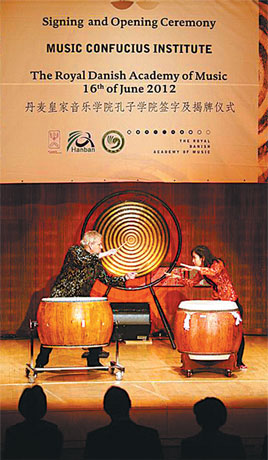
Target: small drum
x,y
208,329
74,322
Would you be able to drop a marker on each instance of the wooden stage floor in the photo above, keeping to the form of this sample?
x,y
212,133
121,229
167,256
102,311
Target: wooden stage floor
x,y
162,397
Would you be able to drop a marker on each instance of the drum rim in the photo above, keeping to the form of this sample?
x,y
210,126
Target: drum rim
x,y
211,305
73,299
195,310
77,346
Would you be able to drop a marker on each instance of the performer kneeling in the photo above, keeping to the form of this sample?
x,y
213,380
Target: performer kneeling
x,y
213,270
82,266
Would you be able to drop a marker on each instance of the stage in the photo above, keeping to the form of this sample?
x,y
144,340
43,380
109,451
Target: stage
x,y
162,396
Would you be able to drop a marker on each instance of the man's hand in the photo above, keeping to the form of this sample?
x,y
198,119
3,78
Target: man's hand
x,y
172,275
111,252
130,276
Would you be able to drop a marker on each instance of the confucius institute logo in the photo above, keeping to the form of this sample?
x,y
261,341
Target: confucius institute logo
x,y
113,141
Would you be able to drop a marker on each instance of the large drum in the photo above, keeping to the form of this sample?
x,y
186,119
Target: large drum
x,y
208,329
74,321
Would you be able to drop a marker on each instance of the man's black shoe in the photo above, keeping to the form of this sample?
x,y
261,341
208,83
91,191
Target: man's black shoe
x,y
39,365
85,354
96,364
104,354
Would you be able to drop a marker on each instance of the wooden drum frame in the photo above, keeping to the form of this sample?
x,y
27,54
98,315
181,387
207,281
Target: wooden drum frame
x,y
208,334
75,322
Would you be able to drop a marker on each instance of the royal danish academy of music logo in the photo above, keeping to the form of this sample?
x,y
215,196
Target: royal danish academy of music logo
x,y
80,142
113,141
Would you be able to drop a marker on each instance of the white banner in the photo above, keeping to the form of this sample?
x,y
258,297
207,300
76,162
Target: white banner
x,y
96,93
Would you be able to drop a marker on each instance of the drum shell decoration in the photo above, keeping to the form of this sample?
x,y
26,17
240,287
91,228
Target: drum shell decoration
x,y
205,330
74,322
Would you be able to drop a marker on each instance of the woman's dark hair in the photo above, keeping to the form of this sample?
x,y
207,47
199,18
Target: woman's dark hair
x,y
210,413
33,403
205,253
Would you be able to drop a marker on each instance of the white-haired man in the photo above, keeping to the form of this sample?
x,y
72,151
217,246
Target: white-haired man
x,y
81,267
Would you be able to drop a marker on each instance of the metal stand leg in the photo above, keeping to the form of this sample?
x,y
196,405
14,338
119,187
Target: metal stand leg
x,y
115,366
30,367
164,319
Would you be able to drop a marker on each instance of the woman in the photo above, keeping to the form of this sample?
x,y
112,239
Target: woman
x,y
213,270
33,438
81,267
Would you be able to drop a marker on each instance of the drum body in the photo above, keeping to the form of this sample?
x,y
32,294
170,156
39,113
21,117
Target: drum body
x,y
74,321
208,329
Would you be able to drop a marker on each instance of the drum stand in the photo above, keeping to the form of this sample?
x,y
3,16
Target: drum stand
x,y
162,316
190,365
114,368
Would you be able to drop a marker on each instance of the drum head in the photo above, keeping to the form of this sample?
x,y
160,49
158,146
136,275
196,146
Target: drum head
x,y
208,305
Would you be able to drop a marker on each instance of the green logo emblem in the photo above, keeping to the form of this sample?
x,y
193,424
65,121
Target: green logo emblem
x,y
113,141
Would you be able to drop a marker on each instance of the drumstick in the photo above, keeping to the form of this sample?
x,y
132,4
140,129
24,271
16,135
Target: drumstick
x,y
119,247
191,267
188,266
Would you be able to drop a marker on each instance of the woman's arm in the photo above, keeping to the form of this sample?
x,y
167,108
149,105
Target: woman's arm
x,y
186,281
216,267
192,282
